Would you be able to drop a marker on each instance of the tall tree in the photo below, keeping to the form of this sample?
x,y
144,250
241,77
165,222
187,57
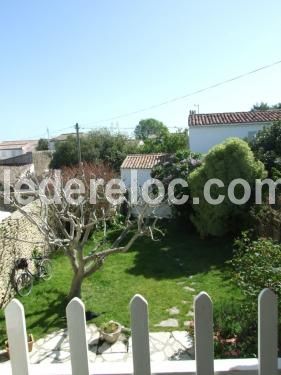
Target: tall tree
x,y
150,128
43,144
96,146
167,143
267,147
68,220
262,106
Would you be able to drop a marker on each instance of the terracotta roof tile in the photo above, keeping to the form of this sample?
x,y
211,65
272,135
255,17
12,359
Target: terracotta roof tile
x,y
204,119
143,161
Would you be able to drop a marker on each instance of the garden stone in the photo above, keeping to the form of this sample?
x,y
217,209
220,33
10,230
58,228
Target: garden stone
x,y
173,311
190,313
168,323
183,338
189,289
118,347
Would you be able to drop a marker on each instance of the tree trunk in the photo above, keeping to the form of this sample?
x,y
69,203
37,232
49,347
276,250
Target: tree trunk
x,y
76,284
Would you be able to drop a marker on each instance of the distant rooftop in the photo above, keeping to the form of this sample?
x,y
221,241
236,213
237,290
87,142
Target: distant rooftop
x,y
11,145
204,119
63,137
143,161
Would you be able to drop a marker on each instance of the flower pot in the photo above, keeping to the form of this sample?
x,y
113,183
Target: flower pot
x,y
30,342
111,337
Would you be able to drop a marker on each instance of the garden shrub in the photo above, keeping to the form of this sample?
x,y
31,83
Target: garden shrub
x,y
227,161
179,165
257,265
235,328
267,148
266,220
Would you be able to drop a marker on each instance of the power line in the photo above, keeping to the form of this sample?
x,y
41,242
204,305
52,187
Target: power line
x,y
129,128
186,95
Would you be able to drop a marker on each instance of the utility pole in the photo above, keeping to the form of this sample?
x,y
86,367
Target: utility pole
x,y
78,144
197,105
48,135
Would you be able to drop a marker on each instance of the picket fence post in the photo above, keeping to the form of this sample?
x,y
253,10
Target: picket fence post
x,y
267,333
140,335
17,338
76,324
204,345
204,340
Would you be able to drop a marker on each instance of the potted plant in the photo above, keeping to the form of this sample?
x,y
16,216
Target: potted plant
x,y
30,342
110,331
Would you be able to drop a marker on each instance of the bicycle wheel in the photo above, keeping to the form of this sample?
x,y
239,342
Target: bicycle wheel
x,y
45,270
24,284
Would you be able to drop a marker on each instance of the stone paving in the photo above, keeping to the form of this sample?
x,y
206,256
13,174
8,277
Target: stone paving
x,y
54,348
175,345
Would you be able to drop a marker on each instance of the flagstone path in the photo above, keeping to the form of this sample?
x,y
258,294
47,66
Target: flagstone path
x,y
54,348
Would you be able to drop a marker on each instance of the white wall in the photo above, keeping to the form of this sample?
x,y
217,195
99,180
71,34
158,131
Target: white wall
x,y
202,138
142,175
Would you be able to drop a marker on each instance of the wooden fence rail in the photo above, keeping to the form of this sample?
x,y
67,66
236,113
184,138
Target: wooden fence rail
x,y
204,364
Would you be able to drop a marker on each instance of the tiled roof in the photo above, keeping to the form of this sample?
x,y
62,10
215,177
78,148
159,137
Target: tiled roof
x,y
143,161
233,117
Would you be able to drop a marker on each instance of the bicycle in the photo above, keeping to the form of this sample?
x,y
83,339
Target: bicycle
x,y
24,282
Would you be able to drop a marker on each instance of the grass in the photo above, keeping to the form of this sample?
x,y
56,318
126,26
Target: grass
x,y
157,270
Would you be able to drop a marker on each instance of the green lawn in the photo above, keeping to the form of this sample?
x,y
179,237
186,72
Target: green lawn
x,y
153,269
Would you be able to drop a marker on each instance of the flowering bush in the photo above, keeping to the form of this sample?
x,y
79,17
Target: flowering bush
x,y
257,265
178,165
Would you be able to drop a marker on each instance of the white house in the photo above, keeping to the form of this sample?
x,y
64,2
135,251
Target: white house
x,y
209,129
136,170
10,149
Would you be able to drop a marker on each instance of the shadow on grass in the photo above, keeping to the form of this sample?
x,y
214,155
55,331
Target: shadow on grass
x,y
51,315
45,312
180,254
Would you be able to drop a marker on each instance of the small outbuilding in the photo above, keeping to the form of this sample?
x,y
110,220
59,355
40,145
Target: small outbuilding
x,y
136,170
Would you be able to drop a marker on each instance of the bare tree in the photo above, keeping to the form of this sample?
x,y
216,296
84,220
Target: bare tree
x,y
68,218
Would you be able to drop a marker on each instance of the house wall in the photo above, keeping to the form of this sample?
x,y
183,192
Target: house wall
x,y
16,227
202,138
142,175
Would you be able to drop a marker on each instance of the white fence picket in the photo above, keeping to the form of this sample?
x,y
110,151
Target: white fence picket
x,y
140,335
268,328
17,338
204,342
76,323
204,347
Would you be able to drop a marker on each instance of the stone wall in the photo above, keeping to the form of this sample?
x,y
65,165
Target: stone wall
x,y
41,161
18,238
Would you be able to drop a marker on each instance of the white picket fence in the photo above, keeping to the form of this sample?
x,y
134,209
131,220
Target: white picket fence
x,y
204,364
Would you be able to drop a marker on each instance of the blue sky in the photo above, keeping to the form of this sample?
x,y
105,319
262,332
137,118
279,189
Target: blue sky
x,y
66,61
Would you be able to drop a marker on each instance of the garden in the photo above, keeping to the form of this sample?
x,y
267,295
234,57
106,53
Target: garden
x,y
157,270
230,251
